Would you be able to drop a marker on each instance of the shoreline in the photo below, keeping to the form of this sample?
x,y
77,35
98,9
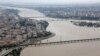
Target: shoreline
x,y
64,30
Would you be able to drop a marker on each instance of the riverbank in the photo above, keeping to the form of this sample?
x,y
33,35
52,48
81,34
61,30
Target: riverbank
x,y
65,30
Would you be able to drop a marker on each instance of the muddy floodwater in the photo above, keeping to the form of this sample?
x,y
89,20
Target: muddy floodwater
x,y
76,49
64,30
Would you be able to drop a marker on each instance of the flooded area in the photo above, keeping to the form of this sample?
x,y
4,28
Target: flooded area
x,y
76,49
64,30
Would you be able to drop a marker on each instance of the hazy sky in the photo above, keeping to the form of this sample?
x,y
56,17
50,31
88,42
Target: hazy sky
x,y
52,1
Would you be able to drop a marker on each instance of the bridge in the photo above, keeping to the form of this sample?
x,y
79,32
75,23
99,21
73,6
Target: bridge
x,y
62,42
53,43
35,17
5,52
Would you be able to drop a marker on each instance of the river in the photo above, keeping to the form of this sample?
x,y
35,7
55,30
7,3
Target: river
x,y
64,30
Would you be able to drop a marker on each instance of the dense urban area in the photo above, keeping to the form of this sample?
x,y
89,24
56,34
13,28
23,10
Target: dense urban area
x,y
72,12
70,24
15,30
80,12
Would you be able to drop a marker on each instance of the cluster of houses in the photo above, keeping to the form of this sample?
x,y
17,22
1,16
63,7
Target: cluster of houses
x,y
14,29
